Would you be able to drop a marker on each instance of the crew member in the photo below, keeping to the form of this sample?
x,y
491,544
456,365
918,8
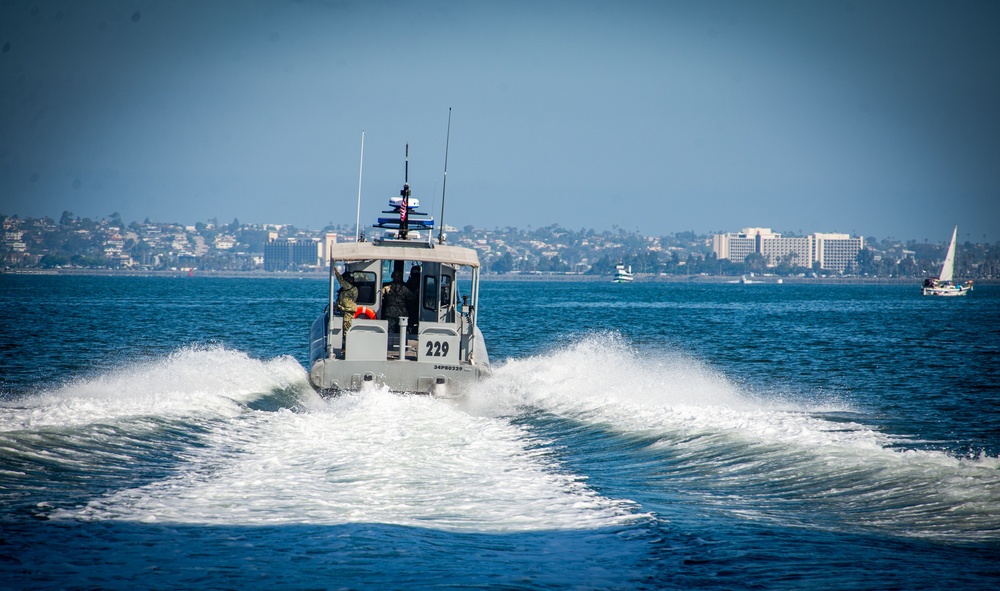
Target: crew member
x,y
347,303
413,310
396,298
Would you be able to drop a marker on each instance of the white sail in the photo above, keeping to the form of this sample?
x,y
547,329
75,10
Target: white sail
x,y
948,268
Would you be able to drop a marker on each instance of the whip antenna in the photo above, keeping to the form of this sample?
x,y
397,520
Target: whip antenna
x,y
361,168
444,184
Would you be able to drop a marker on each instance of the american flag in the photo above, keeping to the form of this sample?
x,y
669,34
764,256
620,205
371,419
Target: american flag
x,y
402,206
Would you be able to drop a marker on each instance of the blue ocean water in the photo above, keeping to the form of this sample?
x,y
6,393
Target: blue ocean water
x,y
160,433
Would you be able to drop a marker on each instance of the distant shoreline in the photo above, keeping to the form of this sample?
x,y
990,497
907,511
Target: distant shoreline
x,y
508,277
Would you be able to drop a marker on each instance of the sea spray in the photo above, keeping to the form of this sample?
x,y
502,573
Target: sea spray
x,y
192,380
370,457
743,453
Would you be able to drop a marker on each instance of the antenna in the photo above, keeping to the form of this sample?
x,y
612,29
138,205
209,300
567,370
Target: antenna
x,y
361,168
444,184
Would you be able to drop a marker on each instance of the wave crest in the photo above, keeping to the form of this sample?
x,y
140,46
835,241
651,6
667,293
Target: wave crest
x,y
192,380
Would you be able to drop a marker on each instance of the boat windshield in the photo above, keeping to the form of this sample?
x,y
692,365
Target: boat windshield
x,y
365,282
430,292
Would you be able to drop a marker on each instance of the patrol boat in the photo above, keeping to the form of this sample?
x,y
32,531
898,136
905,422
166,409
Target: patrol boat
x,y
434,348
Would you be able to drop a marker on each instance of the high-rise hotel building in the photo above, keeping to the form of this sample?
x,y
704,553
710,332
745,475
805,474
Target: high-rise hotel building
x,y
282,255
834,252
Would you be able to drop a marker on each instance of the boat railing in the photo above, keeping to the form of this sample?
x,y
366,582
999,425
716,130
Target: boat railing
x,y
318,341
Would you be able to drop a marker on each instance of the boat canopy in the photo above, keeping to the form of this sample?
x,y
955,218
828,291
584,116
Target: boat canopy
x,y
366,251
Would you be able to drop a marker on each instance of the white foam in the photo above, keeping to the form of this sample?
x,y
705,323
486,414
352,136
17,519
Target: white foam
x,y
196,380
601,379
374,457
722,439
417,461
602,372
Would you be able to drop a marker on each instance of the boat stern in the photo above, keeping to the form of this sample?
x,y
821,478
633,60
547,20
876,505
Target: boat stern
x,y
443,380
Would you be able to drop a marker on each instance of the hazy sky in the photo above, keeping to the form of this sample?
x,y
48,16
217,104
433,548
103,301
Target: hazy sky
x,y
877,118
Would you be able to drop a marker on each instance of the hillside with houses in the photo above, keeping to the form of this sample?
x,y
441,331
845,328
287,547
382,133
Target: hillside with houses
x,y
110,243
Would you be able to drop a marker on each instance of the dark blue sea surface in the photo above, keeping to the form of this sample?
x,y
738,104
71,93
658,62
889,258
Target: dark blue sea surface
x,y
160,433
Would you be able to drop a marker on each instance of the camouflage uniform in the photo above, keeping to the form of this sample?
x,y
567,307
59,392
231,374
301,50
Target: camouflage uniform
x,y
347,303
413,284
396,299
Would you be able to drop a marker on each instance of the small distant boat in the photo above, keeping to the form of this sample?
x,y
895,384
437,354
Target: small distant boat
x,y
943,285
623,274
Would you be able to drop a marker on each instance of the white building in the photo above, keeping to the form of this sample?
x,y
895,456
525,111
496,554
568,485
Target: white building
x,y
837,251
735,246
833,252
225,242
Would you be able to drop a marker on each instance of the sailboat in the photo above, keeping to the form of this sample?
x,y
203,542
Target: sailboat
x,y
943,285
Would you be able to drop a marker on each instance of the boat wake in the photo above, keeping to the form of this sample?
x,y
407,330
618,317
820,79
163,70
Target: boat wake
x,y
212,436
224,439
745,454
